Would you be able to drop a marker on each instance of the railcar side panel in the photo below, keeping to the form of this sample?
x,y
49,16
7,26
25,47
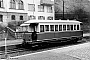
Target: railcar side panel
x,y
27,36
50,35
43,36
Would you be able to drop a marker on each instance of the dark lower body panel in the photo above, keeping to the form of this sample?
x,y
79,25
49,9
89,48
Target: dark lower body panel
x,y
51,35
57,37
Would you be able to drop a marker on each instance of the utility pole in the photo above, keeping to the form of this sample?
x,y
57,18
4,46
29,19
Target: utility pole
x,y
6,32
6,35
63,9
34,9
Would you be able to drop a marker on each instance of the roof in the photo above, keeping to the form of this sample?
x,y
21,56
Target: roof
x,y
24,24
49,21
52,21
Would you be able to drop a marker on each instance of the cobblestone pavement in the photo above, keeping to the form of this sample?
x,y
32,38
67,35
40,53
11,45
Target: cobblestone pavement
x,y
76,52
83,53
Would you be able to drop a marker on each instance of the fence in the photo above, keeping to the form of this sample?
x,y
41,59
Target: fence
x,y
11,33
86,30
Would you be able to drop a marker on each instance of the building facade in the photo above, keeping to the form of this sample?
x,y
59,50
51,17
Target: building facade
x,y
11,10
41,9
24,10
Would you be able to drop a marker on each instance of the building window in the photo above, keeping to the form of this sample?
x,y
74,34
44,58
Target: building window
x,y
13,17
40,8
49,18
41,28
31,17
56,27
21,17
41,18
64,27
60,27
46,27
1,18
49,9
20,5
51,27
31,7
1,3
25,28
12,4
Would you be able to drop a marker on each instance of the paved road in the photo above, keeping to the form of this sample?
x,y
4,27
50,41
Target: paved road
x,y
76,52
11,42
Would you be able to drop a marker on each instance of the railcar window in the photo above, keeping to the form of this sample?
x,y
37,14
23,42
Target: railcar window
x,y
60,27
74,27
51,27
24,28
64,27
77,27
56,27
41,28
46,27
71,27
68,27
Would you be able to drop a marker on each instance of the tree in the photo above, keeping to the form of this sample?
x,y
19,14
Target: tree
x,y
75,9
3,25
14,24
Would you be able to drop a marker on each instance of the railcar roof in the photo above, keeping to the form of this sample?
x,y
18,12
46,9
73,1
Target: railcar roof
x,y
52,21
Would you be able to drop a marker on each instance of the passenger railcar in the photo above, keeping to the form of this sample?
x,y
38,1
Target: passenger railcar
x,y
39,31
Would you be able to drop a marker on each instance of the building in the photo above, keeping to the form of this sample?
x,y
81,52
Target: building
x,y
41,9
24,10
12,10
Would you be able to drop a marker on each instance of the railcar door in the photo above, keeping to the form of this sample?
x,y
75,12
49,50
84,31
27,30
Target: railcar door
x,y
34,33
34,36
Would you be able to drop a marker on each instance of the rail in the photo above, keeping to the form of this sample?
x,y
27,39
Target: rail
x,y
11,32
11,29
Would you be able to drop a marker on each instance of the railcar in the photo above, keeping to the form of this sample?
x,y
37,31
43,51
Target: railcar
x,y
51,31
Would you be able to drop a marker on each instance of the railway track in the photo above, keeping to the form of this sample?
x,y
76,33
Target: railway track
x,y
16,50
12,51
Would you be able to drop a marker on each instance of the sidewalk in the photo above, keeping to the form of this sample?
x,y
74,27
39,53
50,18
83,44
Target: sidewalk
x,y
11,42
86,34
